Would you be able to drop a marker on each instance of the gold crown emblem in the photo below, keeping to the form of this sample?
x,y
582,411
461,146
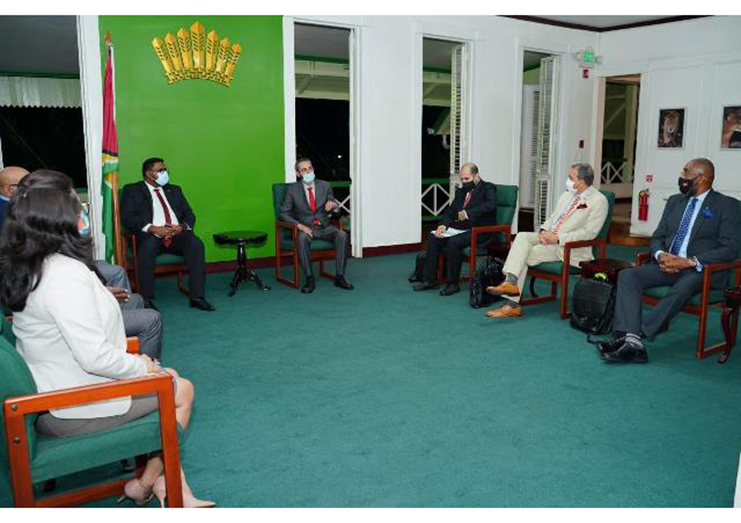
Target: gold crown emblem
x,y
195,55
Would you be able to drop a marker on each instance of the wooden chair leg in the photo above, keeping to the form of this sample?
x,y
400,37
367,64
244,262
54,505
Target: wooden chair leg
x,y
181,283
20,468
533,294
701,331
565,293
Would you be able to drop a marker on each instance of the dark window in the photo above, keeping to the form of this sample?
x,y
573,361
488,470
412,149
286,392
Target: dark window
x,y
323,134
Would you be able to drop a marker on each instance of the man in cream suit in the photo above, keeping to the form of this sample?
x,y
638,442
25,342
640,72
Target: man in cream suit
x,y
579,215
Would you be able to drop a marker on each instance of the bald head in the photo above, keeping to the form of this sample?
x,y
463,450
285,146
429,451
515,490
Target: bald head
x,y
9,178
469,173
703,167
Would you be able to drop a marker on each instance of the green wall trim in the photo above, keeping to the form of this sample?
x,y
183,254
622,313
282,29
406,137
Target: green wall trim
x,y
224,146
27,74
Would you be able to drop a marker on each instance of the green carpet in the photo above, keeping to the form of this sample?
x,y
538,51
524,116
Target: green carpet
x,y
385,397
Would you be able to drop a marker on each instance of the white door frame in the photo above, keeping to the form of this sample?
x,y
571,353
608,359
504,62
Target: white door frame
x,y
91,90
355,123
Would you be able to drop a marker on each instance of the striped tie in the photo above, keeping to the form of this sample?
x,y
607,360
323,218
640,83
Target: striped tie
x,y
565,215
684,228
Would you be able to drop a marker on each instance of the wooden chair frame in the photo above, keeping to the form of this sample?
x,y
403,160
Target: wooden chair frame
x,y
320,255
506,229
702,351
563,278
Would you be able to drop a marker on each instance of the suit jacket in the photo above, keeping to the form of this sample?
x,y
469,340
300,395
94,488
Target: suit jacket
x,y
584,223
71,334
715,234
3,212
480,208
295,207
137,202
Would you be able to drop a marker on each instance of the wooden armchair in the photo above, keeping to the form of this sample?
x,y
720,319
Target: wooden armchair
x,y
285,243
701,302
126,255
558,273
34,458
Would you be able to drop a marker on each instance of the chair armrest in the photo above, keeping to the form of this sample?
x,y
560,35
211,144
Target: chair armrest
x,y
642,258
58,399
132,345
722,266
601,242
285,225
484,229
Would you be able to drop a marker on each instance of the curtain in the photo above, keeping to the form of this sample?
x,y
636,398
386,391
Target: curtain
x,y
17,91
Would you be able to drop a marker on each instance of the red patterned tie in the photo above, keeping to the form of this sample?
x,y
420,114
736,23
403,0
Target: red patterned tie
x,y
312,203
565,216
468,198
168,220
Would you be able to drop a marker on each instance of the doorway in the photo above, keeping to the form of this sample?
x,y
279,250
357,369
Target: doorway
x,y
444,125
538,137
618,148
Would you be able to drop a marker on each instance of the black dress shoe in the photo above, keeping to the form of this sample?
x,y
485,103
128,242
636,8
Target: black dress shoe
x,y
149,304
309,286
200,303
626,353
450,289
425,286
342,283
610,345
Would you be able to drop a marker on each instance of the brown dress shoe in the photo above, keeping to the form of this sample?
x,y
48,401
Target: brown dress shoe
x,y
504,289
505,312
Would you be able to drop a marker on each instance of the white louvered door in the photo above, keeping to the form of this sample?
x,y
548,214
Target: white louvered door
x,y
529,141
458,134
547,138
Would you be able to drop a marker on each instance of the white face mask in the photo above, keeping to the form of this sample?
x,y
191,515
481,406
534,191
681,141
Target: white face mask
x,y
570,185
308,177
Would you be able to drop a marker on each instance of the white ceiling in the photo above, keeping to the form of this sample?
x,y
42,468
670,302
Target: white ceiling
x,y
39,44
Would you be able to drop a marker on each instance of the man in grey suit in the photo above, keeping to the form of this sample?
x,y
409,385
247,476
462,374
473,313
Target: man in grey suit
x,y
308,203
698,227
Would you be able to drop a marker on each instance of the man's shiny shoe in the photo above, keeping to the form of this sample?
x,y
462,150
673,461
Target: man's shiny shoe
x,y
200,303
149,304
342,283
309,286
505,311
610,345
626,353
425,286
450,289
504,289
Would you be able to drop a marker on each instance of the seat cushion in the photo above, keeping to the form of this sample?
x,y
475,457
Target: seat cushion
x,y
555,267
716,295
56,457
169,259
16,380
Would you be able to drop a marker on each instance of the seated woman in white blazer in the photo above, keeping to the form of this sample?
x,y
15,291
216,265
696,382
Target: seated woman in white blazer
x,y
68,326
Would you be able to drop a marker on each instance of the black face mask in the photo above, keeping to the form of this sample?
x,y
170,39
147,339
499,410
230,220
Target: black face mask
x,y
686,186
468,186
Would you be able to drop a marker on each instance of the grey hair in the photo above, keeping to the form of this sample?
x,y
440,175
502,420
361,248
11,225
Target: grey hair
x,y
584,172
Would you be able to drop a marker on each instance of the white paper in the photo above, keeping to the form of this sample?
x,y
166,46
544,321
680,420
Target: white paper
x,y
450,231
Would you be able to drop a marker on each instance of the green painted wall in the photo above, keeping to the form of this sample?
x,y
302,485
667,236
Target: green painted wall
x,y
223,146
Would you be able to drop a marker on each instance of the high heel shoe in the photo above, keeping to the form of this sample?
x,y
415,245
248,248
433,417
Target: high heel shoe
x,y
136,492
189,500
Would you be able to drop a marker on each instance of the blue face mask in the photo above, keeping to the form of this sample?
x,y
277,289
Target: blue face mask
x,y
308,177
162,178
85,217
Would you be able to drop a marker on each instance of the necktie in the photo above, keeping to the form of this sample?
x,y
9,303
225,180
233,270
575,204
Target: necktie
x,y
168,219
312,202
468,198
565,215
684,227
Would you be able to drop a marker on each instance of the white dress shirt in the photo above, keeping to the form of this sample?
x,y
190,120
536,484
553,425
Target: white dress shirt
x,y
158,213
71,334
308,186
685,243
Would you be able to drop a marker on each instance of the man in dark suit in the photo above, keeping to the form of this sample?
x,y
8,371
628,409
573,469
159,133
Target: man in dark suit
x,y
9,178
698,227
473,206
308,203
158,213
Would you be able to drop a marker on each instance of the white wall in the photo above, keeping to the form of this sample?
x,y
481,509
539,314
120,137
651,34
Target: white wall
x,y
694,64
390,72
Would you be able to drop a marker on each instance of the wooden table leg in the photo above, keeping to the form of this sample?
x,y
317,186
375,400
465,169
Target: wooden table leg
x,y
729,316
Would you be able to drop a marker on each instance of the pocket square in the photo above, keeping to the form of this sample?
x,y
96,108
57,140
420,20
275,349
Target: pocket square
x,y
582,206
707,213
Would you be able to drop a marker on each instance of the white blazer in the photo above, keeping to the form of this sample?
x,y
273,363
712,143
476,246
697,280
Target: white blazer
x,y
585,222
71,333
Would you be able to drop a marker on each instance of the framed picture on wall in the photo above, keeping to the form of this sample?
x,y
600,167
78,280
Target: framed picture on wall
x,y
730,137
671,129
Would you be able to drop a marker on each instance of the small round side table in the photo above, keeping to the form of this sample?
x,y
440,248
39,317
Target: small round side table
x,y
242,239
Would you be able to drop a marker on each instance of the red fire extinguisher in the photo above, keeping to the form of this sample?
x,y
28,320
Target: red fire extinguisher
x,y
643,205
